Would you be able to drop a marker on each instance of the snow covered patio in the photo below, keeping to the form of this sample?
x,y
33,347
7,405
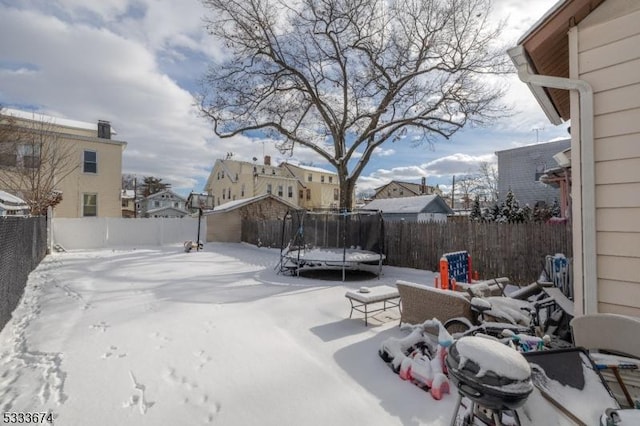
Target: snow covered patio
x,y
157,336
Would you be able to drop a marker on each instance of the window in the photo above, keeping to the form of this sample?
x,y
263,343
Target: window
x,y
30,155
290,191
218,178
8,159
330,179
229,193
310,177
156,204
176,204
301,194
540,168
273,171
124,203
89,204
90,162
224,194
280,190
268,188
336,194
223,174
236,176
308,194
242,190
263,170
322,179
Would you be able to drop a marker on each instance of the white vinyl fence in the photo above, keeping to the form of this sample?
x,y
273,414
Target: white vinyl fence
x,y
109,232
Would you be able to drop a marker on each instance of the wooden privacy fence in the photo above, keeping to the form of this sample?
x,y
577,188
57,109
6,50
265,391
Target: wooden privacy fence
x,y
514,250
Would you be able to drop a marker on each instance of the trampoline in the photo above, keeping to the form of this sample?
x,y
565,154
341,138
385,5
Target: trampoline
x,y
347,241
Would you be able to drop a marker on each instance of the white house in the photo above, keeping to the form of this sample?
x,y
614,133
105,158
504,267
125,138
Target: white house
x,y
163,204
10,205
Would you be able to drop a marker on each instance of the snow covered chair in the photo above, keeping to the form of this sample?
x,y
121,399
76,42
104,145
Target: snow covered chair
x,y
420,303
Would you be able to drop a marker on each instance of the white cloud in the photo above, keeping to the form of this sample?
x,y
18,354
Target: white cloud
x,y
380,152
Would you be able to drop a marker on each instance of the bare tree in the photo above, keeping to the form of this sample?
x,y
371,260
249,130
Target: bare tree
x,y
466,187
488,177
33,161
342,77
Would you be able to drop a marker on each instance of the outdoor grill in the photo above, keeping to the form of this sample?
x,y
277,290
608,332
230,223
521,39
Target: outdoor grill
x,y
488,391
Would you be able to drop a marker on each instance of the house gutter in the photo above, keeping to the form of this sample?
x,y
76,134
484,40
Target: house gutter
x,y
587,175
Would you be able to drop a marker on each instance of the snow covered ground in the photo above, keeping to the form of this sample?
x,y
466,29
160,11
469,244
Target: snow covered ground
x,y
157,336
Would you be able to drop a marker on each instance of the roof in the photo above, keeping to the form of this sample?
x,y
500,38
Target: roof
x,y
36,116
128,193
11,199
310,168
159,209
409,186
546,51
236,204
537,146
166,191
419,204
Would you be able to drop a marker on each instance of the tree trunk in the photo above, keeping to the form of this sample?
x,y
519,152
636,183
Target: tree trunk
x,y
347,187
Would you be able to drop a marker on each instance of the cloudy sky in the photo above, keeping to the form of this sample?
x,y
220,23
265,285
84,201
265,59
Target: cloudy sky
x,y
137,64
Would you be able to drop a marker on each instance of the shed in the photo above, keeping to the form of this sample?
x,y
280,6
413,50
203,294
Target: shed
x,y
423,208
224,222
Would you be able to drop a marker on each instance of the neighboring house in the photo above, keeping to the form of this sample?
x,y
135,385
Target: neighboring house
x,y
520,169
232,180
10,205
93,186
224,222
318,189
423,208
163,204
582,62
397,189
128,198
559,176
307,187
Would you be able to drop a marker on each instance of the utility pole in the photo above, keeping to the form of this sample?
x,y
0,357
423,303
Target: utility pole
x,y
453,192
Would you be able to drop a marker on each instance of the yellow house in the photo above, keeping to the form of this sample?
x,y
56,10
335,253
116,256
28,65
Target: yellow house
x,y
88,163
232,180
582,62
318,188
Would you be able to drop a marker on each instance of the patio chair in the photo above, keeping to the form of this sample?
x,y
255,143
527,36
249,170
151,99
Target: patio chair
x,y
613,342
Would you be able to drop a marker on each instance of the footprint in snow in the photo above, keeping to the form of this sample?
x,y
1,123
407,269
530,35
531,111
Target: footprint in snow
x,y
102,326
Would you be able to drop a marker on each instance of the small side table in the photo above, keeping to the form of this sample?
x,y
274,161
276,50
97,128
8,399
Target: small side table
x,y
360,301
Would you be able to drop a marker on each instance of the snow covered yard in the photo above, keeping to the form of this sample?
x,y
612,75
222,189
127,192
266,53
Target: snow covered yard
x,y
156,336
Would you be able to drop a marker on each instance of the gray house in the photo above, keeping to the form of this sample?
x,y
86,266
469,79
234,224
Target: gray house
x,y
520,169
423,208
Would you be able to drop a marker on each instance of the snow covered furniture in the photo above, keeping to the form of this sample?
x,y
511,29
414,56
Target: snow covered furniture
x,y
365,296
455,266
420,303
619,336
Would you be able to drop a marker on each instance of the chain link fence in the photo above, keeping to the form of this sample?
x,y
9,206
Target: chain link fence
x,y
23,244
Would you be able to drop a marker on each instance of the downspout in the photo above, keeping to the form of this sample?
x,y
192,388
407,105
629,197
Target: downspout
x,y
587,178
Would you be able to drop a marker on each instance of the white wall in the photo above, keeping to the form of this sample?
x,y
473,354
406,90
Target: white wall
x,y
101,232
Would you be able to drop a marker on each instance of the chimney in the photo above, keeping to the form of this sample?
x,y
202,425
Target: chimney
x,y
104,129
423,185
267,160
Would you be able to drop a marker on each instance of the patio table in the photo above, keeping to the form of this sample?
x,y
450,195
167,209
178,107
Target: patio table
x,y
360,300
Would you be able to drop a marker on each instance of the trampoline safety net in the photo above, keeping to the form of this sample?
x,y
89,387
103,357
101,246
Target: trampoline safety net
x,y
332,240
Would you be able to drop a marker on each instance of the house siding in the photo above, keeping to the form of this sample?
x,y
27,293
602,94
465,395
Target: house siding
x,y
608,58
517,170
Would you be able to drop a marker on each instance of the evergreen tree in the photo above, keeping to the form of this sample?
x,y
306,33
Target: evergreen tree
x,y
476,214
555,209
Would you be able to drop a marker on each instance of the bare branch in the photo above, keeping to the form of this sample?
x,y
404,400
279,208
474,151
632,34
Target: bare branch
x,y
345,76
